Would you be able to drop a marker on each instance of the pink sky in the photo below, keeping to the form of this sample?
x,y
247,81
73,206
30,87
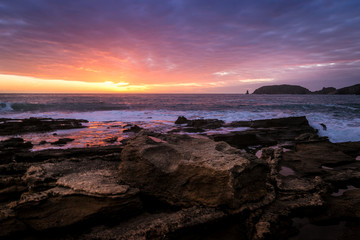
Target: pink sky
x,y
177,46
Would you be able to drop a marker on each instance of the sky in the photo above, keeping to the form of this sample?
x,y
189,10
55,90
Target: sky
x,y
177,46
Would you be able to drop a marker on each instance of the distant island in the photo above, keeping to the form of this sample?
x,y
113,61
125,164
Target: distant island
x,y
295,89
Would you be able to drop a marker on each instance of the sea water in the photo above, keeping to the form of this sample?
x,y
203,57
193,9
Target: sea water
x,y
109,113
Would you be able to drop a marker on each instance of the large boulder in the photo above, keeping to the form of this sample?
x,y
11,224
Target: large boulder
x,y
185,171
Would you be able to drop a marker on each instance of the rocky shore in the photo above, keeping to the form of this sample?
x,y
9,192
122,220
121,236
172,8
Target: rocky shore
x,y
275,180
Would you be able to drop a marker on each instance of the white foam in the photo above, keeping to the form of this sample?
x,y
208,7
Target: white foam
x,y
339,129
7,107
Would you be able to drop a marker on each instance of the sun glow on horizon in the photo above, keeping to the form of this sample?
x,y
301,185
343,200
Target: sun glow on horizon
x,y
27,84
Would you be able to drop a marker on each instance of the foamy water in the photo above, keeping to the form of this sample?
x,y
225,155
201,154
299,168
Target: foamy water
x,y
108,114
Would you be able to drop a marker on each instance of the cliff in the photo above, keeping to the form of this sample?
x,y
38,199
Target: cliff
x,y
282,89
295,89
354,89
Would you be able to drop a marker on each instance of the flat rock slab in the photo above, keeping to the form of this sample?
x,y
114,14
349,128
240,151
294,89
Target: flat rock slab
x,y
344,206
66,193
61,207
294,122
155,226
266,132
185,171
315,158
93,182
17,126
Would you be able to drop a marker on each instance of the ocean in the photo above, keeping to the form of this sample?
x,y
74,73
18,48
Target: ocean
x,y
108,114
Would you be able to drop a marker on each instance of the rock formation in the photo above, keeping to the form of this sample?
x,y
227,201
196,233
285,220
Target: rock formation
x,y
271,182
185,171
282,89
294,89
18,126
354,89
263,133
61,191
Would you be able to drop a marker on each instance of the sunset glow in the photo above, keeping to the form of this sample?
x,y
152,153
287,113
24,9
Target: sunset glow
x,y
177,46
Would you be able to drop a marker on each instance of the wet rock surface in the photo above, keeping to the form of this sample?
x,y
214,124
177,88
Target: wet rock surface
x,y
62,141
134,129
265,132
158,225
18,126
315,158
12,145
58,189
173,186
198,125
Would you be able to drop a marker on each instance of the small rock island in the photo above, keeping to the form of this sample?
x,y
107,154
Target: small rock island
x,y
282,89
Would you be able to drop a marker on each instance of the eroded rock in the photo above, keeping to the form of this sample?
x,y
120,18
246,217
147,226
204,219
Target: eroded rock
x,y
309,158
11,146
346,206
69,192
170,184
156,226
61,206
266,132
187,172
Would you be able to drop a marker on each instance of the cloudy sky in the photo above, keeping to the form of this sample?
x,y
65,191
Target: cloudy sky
x,y
206,46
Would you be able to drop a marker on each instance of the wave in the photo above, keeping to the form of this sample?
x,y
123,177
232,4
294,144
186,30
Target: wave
x,y
6,107
339,129
341,114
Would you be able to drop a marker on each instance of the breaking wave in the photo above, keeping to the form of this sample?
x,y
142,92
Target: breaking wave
x,y
340,113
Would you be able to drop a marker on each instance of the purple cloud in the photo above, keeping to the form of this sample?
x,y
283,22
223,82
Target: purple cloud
x,y
249,39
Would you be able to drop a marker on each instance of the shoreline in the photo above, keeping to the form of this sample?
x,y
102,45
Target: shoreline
x,y
137,189
339,113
